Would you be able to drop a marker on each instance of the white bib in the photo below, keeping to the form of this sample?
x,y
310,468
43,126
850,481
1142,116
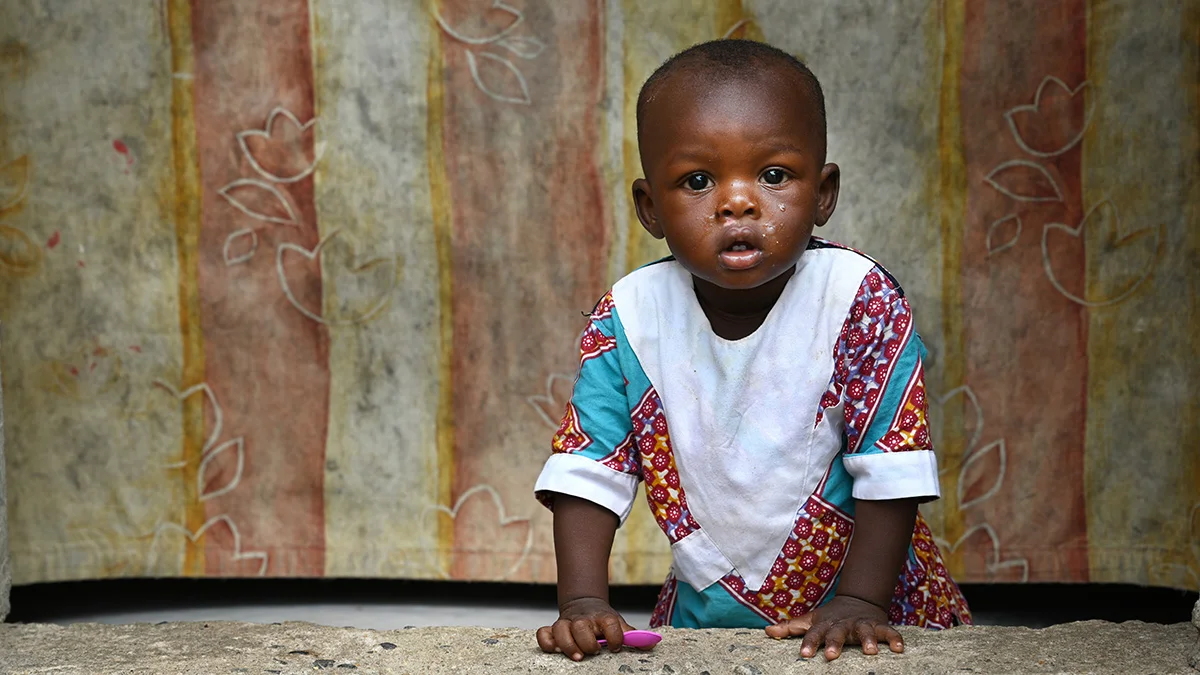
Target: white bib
x,y
741,413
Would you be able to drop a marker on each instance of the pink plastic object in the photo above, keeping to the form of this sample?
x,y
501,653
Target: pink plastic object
x,y
638,639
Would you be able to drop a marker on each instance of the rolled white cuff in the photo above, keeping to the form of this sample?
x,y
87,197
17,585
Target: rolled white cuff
x,y
588,479
894,475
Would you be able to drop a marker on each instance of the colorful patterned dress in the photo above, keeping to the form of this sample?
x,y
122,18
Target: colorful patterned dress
x,y
753,451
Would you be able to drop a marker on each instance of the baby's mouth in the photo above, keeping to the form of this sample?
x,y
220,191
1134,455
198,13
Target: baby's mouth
x,y
740,255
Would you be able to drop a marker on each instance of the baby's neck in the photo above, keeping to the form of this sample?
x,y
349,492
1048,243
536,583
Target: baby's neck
x,y
735,314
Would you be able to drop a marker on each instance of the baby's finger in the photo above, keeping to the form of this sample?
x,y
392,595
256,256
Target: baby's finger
x,y
813,639
566,644
613,632
886,633
792,628
545,638
835,639
865,632
584,632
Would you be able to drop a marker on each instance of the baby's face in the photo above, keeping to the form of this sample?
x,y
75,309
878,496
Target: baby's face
x,y
735,176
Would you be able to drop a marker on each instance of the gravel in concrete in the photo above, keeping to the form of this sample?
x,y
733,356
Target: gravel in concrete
x,y
5,565
292,648
1194,660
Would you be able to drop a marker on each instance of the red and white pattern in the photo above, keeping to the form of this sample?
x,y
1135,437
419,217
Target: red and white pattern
x,y
925,595
604,308
594,342
875,333
663,491
909,429
806,567
624,457
664,608
570,436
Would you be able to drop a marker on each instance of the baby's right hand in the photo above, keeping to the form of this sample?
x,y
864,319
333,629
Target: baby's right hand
x,y
580,623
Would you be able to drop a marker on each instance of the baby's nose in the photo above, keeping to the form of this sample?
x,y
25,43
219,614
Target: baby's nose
x,y
738,203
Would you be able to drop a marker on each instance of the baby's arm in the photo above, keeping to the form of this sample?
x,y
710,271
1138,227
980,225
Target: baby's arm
x,y
879,377
858,611
583,537
882,534
591,483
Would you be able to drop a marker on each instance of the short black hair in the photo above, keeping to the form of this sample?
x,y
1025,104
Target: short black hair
x,y
730,58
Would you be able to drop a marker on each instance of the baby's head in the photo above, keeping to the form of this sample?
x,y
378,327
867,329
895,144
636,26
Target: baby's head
x,y
732,140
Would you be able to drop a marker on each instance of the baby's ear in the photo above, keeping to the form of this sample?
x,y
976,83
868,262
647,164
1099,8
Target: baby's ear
x,y
644,205
827,192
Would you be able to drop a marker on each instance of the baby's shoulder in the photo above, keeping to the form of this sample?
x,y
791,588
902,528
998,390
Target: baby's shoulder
x,y
855,268
603,309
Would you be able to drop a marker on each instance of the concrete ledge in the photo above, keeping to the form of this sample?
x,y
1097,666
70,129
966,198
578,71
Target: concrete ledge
x,y
285,649
1194,661
5,568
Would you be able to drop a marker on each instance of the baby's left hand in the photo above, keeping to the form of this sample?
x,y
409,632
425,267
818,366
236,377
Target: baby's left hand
x,y
841,621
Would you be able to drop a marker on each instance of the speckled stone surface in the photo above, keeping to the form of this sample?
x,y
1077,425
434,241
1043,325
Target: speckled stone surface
x,y
291,648
168,169
1194,660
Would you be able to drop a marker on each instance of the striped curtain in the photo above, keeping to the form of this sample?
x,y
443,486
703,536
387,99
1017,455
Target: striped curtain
x,y
291,287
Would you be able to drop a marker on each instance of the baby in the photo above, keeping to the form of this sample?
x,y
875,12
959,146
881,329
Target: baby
x,y
767,385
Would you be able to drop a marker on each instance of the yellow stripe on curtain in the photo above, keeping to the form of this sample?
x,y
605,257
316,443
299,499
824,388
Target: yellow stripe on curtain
x,y
1141,235
91,201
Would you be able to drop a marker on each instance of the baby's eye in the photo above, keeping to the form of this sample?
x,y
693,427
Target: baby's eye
x,y
774,176
698,181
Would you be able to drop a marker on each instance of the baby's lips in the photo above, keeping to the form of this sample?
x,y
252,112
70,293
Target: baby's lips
x,y
741,260
740,233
